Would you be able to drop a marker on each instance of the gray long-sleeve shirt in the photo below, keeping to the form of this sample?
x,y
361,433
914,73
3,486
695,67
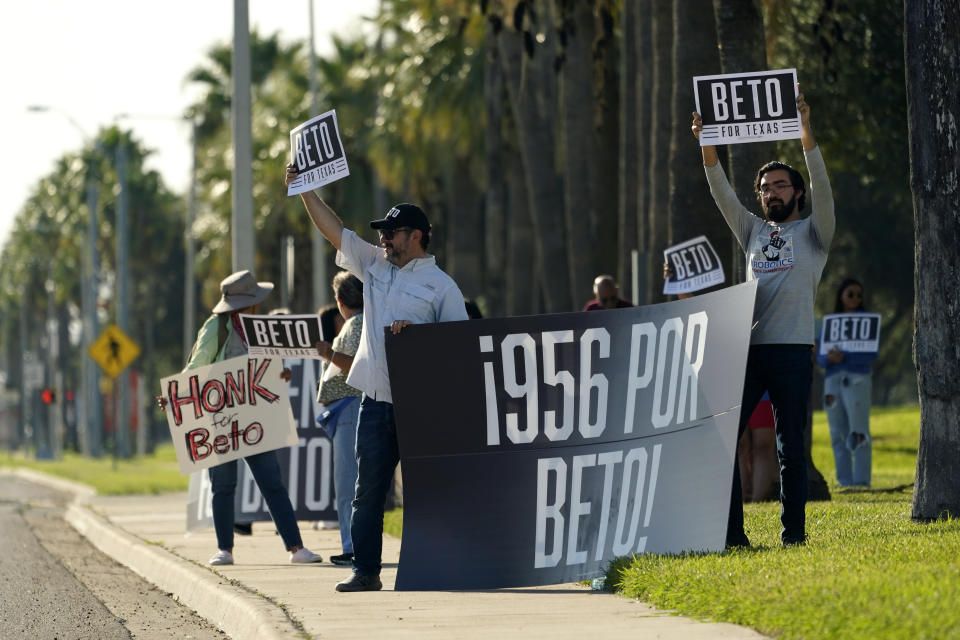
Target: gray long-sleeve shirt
x,y
786,258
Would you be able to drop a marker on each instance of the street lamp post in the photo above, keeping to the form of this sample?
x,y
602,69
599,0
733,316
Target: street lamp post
x,y
240,107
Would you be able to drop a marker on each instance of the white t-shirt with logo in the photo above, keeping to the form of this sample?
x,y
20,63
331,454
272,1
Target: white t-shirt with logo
x,y
786,258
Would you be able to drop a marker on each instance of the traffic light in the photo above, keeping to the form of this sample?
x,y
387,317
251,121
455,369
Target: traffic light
x,y
48,396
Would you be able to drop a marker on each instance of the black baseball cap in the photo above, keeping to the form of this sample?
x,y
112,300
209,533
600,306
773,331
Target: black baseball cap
x,y
403,215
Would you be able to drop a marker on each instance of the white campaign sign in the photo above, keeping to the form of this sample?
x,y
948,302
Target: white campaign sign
x,y
747,107
287,336
695,264
317,152
228,410
850,332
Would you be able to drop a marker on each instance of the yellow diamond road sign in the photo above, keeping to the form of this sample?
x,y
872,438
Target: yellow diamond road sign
x,y
114,350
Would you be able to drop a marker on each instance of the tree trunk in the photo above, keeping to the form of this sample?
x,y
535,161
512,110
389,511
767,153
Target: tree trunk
x,y
932,53
604,165
530,84
464,227
577,101
523,264
739,31
634,126
692,210
658,147
495,197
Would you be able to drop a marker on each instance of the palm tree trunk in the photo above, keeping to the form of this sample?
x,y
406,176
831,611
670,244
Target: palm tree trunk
x,y
530,86
932,54
577,102
658,146
692,210
495,198
605,163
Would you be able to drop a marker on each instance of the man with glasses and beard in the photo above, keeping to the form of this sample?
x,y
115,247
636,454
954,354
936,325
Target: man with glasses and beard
x,y
402,285
786,254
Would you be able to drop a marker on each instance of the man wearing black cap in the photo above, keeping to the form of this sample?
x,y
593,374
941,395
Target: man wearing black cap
x,y
402,286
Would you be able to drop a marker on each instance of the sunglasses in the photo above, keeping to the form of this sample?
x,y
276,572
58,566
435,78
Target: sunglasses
x,y
387,234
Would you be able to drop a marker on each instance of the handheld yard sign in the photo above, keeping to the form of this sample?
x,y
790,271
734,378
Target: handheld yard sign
x,y
695,265
747,107
286,336
850,332
317,152
228,410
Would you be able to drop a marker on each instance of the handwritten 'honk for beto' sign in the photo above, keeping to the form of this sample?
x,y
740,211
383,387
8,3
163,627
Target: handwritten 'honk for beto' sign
x,y
228,410
317,153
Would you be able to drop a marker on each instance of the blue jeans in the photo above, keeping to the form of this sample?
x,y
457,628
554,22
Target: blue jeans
x,y
849,413
266,472
377,458
345,467
785,371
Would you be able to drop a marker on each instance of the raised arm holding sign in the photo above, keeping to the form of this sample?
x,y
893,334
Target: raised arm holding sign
x,y
785,253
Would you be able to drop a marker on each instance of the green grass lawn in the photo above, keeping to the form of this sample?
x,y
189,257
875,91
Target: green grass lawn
x,y
154,473
867,570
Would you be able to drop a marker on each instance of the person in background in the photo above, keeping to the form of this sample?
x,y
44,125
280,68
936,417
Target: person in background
x,y
331,322
606,294
342,402
757,455
847,386
220,338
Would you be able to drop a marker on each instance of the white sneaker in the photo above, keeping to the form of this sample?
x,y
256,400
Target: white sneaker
x,y
220,557
304,556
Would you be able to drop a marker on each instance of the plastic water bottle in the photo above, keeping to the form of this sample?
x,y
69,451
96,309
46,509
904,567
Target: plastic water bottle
x,y
598,584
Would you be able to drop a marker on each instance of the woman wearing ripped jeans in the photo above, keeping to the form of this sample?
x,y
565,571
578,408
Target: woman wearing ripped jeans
x,y
846,398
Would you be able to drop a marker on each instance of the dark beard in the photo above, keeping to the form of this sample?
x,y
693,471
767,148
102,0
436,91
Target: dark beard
x,y
779,213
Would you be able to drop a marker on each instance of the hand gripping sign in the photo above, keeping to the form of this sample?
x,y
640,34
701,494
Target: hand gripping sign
x,y
747,107
228,410
317,152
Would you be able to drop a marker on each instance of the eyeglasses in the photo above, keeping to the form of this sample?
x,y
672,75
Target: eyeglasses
x,y
387,234
776,187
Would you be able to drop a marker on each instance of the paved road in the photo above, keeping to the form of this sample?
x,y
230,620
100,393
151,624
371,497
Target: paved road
x,y
56,585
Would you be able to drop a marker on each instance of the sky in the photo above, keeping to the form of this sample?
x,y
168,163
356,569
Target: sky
x,y
90,61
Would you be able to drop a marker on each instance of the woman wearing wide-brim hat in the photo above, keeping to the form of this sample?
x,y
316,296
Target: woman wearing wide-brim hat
x,y
221,337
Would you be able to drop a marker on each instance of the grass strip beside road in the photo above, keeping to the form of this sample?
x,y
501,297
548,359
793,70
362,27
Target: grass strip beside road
x,y
154,473
867,570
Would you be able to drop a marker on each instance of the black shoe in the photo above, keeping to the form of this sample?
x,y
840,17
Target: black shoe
x,y
360,582
794,542
740,541
243,528
342,559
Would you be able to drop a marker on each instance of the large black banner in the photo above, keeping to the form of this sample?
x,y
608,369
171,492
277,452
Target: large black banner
x,y
536,449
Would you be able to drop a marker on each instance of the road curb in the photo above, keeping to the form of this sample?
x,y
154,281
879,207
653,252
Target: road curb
x,y
236,611
239,613
77,490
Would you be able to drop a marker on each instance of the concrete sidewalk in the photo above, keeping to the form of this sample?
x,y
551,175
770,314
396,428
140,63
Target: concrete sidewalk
x,y
263,596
